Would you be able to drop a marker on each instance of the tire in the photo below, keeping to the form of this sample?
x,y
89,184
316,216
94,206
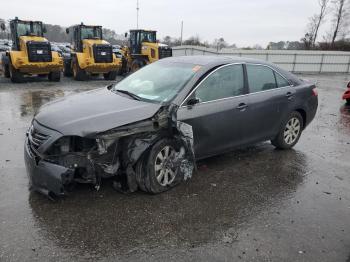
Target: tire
x,y
290,132
7,71
67,70
123,68
110,75
55,76
150,179
15,75
137,64
78,73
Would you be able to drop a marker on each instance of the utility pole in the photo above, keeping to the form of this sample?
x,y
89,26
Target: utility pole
x,y
182,30
137,11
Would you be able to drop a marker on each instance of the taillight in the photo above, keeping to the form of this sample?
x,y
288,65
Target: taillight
x,y
314,91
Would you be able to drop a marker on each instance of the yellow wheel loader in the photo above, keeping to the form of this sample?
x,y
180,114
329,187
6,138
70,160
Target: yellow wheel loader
x,y
30,53
91,55
143,49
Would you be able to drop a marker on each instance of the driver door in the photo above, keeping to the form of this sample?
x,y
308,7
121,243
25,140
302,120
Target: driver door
x,y
218,117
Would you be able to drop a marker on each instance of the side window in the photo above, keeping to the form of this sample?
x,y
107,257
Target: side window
x,y
225,82
281,82
260,78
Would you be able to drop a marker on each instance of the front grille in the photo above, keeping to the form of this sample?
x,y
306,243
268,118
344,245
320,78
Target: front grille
x,y
103,53
165,52
39,51
36,138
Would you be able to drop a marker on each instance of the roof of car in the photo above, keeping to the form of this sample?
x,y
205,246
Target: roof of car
x,y
213,61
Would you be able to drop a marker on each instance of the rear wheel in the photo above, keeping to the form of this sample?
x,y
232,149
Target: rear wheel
x,y
290,132
78,73
15,75
110,75
55,76
157,171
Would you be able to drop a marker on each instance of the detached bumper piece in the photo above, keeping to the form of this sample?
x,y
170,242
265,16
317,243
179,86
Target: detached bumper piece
x,y
45,177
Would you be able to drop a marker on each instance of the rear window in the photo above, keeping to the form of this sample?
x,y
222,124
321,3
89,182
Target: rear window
x,y
281,82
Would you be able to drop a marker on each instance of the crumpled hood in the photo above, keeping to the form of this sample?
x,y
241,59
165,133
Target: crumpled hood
x,y
93,112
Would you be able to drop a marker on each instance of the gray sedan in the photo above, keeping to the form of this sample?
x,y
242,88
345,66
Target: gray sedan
x,y
147,130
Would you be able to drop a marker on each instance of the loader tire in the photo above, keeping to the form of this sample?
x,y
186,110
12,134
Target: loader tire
x,y
137,64
55,76
110,75
7,71
78,73
15,75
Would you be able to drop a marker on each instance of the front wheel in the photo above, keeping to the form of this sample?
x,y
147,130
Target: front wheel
x,y
79,74
290,132
55,76
137,64
159,171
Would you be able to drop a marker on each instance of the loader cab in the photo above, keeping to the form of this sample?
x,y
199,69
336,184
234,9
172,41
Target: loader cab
x,y
137,37
24,28
81,32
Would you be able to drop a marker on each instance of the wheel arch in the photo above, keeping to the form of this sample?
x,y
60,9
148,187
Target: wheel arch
x,y
302,112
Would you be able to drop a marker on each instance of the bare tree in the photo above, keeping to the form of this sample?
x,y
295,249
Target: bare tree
x,y
341,14
316,21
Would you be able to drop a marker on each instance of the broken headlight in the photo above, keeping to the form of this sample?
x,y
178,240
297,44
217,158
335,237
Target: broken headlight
x,y
70,144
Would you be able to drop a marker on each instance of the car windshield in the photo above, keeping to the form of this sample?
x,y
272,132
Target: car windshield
x,y
158,82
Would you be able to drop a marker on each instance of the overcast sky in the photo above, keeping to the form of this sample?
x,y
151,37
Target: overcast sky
x,y
244,22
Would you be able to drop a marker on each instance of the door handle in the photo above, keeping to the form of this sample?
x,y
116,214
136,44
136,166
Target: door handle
x,y
242,106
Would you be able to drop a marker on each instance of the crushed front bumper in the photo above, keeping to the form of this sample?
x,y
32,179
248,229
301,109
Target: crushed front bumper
x,y
46,178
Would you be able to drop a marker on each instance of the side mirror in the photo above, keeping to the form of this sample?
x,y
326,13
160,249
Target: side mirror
x,y
193,101
2,26
44,30
126,35
67,31
349,85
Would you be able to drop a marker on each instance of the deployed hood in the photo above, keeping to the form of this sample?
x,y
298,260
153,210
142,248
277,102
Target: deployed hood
x,y
93,112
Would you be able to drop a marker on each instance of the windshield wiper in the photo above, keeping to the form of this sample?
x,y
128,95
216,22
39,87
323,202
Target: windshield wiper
x,y
132,95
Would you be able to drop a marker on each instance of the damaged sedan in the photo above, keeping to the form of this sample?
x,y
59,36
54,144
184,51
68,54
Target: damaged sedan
x,y
147,130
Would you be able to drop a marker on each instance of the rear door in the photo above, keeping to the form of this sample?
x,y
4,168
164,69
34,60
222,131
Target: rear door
x,y
270,98
217,117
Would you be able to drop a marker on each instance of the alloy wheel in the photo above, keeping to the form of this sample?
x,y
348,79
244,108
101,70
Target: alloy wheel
x,y
164,166
292,131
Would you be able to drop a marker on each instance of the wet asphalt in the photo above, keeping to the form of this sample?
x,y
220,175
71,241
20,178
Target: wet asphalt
x,y
254,204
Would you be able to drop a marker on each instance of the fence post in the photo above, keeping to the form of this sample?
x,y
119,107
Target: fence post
x,y
192,50
349,65
294,62
322,61
267,56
